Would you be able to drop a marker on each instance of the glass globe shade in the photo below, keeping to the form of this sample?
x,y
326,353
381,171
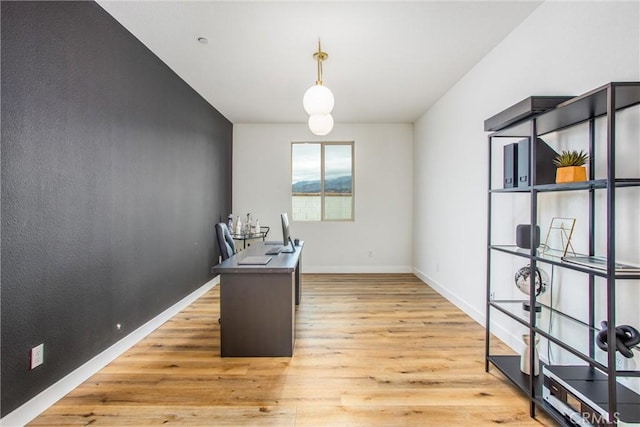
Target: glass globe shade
x,y
321,124
541,280
318,99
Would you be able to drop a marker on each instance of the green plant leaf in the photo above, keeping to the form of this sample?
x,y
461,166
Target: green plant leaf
x,y
571,158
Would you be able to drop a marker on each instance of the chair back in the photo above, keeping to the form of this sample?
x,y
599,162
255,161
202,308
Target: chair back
x,y
225,241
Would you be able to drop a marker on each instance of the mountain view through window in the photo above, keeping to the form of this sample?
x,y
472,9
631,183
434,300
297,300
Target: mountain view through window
x,y
322,181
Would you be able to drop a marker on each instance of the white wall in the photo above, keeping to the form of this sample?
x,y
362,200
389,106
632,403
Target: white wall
x,y
562,48
383,194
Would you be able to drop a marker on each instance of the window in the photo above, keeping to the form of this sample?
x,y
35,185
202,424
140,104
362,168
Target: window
x,y
322,181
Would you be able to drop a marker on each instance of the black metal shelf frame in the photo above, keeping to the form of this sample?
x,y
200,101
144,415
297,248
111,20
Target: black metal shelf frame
x,y
604,102
509,366
557,260
580,109
516,313
596,184
579,354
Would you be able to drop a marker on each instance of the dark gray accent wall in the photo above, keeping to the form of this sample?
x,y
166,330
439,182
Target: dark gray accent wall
x,y
114,172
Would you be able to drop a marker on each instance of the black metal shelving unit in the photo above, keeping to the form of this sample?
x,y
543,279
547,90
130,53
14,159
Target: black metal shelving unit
x,y
601,103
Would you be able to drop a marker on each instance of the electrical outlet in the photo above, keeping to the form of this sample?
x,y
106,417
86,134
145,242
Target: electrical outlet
x,y
492,295
37,356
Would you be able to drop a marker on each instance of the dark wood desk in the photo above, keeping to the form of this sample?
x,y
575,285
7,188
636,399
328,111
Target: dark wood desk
x,y
257,303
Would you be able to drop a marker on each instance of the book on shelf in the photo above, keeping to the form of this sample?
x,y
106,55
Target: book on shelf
x,y
600,263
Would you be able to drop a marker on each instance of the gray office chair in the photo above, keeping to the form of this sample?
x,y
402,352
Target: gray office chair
x,y
225,242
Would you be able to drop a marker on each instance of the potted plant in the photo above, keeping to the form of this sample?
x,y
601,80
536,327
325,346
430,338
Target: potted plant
x,y
571,166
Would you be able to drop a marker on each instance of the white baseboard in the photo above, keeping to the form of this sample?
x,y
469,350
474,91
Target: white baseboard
x,y
38,404
470,310
506,336
360,269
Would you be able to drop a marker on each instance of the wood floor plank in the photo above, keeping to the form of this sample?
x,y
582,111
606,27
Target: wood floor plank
x,y
371,349
174,416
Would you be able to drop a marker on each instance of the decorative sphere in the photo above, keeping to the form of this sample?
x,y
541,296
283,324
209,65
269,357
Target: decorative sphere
x,y
318,99
522,280
321,124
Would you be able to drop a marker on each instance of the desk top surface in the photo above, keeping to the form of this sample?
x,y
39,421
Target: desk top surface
x,y
281,263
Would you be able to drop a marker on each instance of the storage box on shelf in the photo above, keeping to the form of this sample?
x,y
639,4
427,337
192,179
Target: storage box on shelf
x,y
611,394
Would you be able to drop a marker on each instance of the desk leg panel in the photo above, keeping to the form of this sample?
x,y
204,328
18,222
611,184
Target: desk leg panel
x,y
257,315
298,283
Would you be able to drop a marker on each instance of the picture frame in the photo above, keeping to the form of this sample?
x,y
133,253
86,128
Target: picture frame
x,y
558,240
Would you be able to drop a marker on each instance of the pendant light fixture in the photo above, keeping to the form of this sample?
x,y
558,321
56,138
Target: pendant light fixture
x,y
318,100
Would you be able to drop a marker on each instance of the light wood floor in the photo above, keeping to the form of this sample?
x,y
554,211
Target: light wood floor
x,y
371,350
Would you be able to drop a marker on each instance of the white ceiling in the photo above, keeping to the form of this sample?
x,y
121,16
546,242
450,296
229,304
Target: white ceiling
x,y
388,61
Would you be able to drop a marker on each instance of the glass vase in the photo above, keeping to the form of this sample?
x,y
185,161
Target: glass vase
x,y
525,365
